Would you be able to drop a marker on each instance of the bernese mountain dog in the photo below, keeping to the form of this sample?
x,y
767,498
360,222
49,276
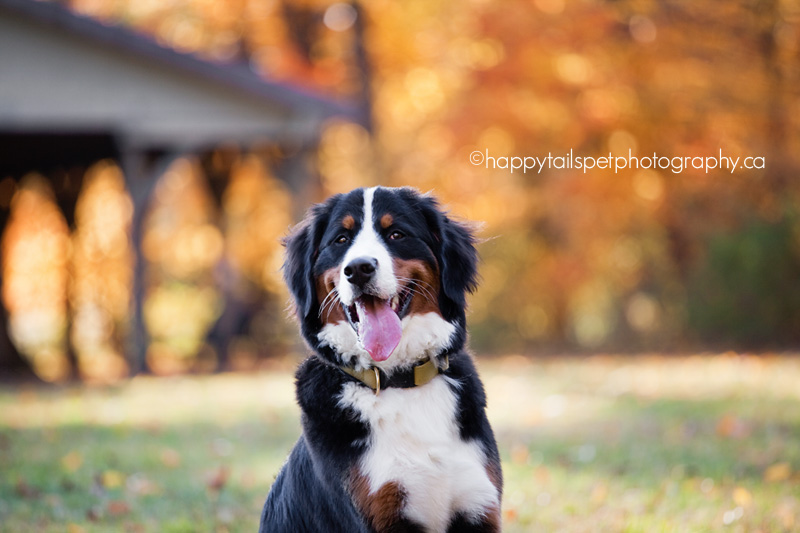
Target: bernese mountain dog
x,y
395,435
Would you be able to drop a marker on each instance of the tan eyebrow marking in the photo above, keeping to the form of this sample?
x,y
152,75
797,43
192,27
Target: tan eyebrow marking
x,y
386,220
348,222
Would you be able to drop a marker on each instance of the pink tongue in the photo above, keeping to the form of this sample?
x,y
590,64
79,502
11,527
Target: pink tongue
x,y
379,327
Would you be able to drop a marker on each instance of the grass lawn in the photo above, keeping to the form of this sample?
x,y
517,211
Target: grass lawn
x,y
604,443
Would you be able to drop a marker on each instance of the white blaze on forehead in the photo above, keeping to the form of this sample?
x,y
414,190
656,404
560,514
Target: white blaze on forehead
x,y
368,243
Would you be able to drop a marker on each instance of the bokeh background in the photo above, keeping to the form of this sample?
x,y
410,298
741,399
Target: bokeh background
x,y
637,330
635,260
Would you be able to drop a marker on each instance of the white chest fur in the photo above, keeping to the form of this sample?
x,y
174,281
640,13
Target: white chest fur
x,y
415,442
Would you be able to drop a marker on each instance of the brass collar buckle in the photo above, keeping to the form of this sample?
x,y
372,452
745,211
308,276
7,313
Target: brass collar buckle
x,y
377,380
416,376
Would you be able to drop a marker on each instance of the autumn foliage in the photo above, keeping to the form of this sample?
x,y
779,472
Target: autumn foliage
x,y
632,259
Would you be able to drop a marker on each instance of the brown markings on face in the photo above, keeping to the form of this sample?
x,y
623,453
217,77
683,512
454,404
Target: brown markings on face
x,y
386,220
333,312
426,292
381,508
348,222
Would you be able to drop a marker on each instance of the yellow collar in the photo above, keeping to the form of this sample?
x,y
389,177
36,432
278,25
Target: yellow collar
x,y
420,374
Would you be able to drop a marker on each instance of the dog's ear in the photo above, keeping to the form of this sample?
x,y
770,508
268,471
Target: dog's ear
x,y
302,248
459,260
454,247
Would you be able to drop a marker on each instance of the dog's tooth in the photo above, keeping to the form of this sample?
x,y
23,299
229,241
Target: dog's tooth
x,y
395,303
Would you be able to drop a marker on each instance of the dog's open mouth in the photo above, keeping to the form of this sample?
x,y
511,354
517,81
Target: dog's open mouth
x,y
377,321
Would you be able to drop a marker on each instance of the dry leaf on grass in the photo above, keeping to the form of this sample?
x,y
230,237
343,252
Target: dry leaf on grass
x,y
778,472
218,478
118,508
742,496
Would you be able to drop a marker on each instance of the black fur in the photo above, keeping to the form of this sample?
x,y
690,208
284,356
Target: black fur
x,y
311,493
449,245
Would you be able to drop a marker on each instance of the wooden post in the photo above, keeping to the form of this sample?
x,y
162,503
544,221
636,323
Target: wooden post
x,y
296,169
142,171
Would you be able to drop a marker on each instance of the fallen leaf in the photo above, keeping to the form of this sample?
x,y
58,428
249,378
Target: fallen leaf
x,y
542,475
732,426
218,478
511,515
785,513
118,508
519,454
26,491
778,472
112,479
72,461
170,458
599,493
742,497
74,528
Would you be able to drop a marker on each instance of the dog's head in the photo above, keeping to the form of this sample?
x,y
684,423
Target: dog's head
x,y
379,278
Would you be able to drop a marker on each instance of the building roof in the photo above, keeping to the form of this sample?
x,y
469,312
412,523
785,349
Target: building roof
x,y
62,71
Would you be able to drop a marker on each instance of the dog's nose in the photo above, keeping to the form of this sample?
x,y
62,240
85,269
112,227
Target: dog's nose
x,y
361,270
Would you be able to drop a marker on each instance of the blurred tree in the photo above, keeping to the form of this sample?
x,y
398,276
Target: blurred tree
x,y
102,260
747,290
638,258
12,363
599,258
256,210
182,244
35,274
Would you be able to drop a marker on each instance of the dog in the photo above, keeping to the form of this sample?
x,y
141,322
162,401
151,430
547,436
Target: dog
x,y
395,435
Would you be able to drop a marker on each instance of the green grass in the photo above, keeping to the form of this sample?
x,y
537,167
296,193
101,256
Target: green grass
x,y
705,443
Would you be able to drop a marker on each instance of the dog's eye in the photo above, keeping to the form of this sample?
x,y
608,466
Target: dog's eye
x,y
396,235
341,239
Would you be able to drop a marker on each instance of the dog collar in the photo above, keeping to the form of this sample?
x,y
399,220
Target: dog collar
x,y
420,374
